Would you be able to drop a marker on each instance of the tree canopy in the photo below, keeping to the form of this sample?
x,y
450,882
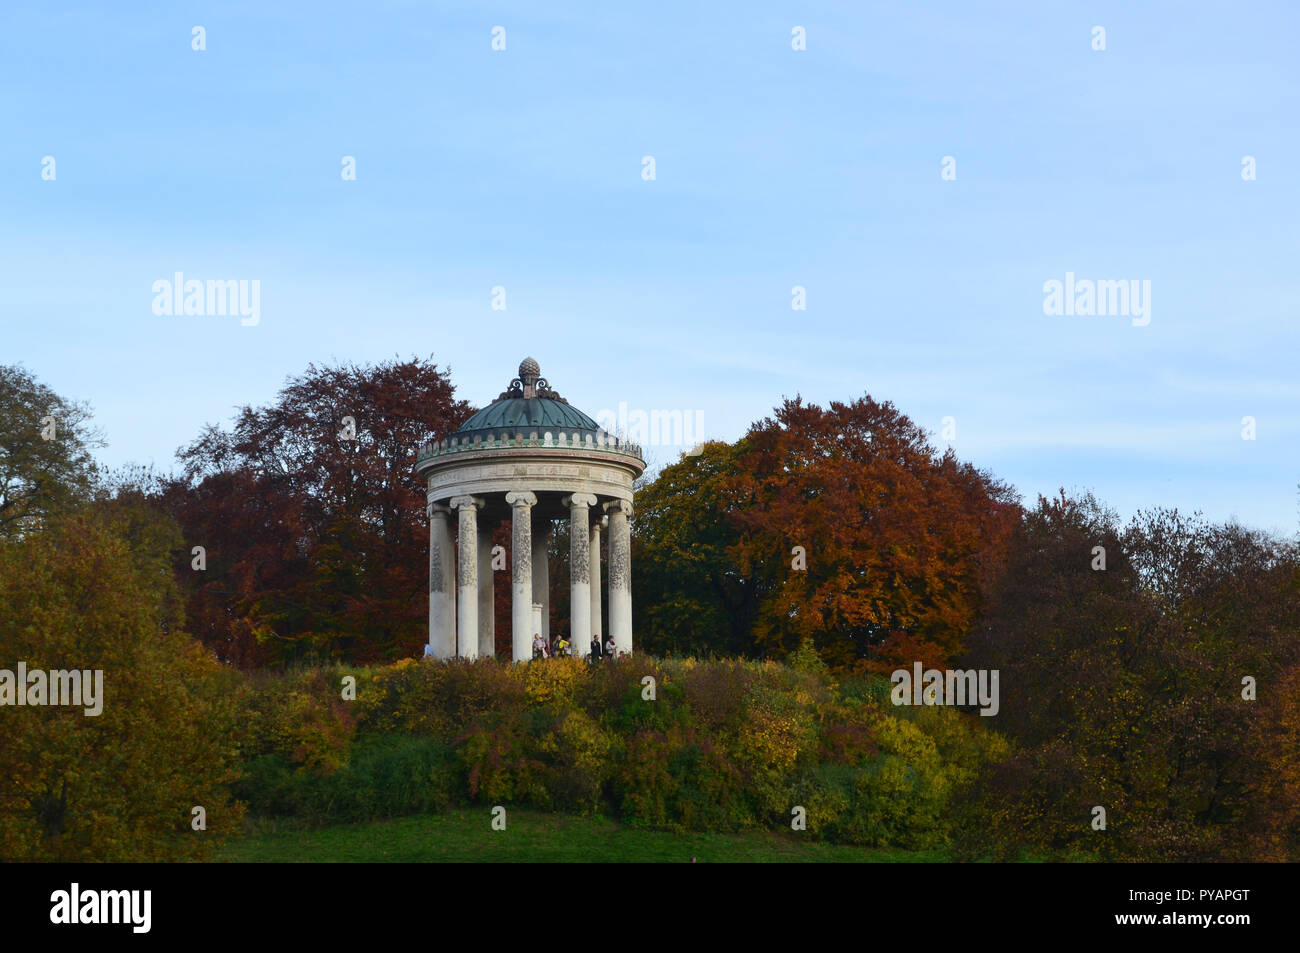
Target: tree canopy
x,y
93,590
1124,656
842,525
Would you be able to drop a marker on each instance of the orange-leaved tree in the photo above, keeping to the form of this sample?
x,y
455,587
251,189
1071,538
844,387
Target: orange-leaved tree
x,y
841,525
861,536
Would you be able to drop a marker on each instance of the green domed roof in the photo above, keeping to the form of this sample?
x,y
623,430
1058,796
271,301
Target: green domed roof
x,y
527,405
528,415
513,414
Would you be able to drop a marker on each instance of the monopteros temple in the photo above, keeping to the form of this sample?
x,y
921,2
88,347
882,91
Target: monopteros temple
x,y
530,458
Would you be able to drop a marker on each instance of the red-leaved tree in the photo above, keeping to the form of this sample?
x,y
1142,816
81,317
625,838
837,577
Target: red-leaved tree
x,y
315,538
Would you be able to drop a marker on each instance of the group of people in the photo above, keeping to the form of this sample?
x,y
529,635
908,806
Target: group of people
x,y
559,647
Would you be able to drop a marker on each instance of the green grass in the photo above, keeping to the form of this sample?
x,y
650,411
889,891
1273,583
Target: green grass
x,y
467,835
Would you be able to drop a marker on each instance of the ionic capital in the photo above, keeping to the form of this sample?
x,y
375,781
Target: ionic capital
x,y
619,506
521,498
463,502
579,499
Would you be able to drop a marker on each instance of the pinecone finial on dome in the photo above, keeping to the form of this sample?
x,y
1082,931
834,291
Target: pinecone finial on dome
x,y
530,384
529,374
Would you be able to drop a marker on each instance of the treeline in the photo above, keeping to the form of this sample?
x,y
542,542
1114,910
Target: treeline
x,y
1149,669
1162,687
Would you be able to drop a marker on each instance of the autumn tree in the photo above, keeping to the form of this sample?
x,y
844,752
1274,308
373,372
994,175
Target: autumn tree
x,y
93,591
1122,654
1275,835
842,525
897,539
690,596
45,444
311,519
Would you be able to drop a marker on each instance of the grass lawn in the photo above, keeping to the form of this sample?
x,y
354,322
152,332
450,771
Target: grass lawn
x,y
535,836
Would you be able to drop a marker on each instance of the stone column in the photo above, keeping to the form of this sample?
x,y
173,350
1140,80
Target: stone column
x,y
535,625
542,576
467,576
521,574
579,573
596,628
442,583
487,616
620,575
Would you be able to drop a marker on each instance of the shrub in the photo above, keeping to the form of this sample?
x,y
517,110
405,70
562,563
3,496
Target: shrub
x,y
302,717
578,750
387,776
499,766
646,788
710,788
725,745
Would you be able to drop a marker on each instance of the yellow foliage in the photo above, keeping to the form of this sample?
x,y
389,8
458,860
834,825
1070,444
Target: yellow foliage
x,y
905,739
773,739
553,683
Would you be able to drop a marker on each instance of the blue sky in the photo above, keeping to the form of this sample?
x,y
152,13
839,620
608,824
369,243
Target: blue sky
x,y
522,168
